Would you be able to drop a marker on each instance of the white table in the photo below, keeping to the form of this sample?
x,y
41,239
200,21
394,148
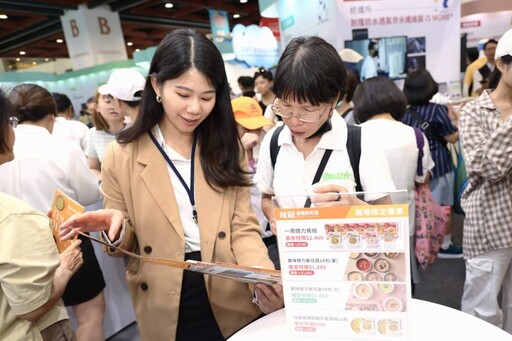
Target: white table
x,y
428,321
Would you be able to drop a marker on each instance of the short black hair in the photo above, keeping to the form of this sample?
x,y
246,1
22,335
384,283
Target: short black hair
x,y
63,102
310,70
420,87
490,41
378,95
472,54
247,82
264,73
371,44
4,122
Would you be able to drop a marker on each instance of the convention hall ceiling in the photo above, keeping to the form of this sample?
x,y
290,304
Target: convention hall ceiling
x,y
35,27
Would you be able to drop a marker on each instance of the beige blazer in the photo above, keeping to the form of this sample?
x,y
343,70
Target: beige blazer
x,y
136,182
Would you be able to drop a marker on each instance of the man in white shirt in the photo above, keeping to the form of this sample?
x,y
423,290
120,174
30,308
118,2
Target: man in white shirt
x,y
482,76
369,67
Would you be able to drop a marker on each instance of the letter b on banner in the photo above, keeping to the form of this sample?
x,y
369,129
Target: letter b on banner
x,y
103,23
74,28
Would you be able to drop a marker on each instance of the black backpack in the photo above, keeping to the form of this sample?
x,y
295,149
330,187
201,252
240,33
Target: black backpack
x,y
353,148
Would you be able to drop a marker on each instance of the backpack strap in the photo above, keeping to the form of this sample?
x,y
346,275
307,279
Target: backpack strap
x,y
420,142
274,147
354,152
353,149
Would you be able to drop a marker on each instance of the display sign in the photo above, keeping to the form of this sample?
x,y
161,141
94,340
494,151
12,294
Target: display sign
x,y
345,271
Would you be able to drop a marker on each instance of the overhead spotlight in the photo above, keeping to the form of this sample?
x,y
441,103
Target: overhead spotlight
x,y
169,5
3,16
59,41
236,15
129,43
47,59
34,63
137,50
18,59
243,1
23,53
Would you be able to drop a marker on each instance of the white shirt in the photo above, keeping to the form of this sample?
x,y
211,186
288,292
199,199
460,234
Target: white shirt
x,y
369,68
398,142
293,174
190,228
71,130
42,163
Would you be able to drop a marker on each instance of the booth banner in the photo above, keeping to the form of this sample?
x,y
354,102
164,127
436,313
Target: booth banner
x,y
256,46
345,272
485,26
311,18
432,28
220,24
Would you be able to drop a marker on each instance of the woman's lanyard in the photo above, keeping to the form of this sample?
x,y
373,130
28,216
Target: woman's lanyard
x,y
190,191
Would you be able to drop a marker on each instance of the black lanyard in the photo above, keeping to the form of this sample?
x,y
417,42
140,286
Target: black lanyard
x,y
190,191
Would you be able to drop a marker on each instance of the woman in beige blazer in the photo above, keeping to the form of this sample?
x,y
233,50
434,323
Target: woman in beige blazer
x,y
175,188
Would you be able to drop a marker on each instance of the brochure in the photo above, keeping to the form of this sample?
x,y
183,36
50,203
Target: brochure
x,y
247,274
63,208
345,271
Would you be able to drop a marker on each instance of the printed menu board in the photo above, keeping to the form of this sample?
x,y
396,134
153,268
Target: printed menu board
x,y
345,271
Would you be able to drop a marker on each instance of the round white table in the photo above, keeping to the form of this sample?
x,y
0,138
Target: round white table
x,y
428,321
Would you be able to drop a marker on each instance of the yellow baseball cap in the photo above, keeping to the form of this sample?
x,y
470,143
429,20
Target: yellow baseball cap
x,y
248,113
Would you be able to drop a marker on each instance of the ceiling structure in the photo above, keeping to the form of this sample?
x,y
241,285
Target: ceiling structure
x,y
35,26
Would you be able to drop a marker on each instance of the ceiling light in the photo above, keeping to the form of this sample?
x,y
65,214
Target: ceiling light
x,y
129,43
23,53
137,50
243,1
236,15
46,59
17,59
59,41
34,63
169,5
3,16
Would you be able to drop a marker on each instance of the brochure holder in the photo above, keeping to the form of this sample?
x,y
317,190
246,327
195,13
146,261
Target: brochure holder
x,y
345,268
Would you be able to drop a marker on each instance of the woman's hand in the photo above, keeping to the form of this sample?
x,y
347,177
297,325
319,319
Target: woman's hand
x,y
101,220
270,298
333,195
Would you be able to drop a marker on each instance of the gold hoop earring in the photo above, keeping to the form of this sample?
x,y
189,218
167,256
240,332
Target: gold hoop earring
x,y
158,99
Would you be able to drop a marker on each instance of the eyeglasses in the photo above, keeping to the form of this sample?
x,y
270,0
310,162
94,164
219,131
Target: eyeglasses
x,y
13,121
307,117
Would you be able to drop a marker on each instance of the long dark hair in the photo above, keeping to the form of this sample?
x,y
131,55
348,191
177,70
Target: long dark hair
x,y
220,151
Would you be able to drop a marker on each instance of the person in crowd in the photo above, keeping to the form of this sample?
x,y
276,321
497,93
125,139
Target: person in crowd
x,y
379,107
305,99
107,124
176,186
482,75
250,122
467,85
419,88
345,106
263,80
43,164
25,232
370,63
86,112
486,136
246,85
125,88
65,127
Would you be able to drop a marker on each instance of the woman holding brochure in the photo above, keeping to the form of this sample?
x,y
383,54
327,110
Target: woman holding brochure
x,y
176,187
314,157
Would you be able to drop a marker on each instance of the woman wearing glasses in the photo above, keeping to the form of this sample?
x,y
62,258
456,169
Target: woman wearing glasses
x,y
306,95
